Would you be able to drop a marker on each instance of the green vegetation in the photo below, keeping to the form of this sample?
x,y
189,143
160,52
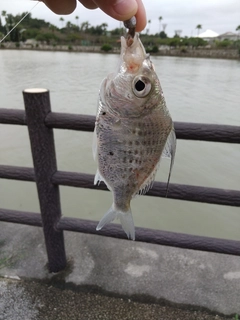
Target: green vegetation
x,y
199,27
106,47
83,34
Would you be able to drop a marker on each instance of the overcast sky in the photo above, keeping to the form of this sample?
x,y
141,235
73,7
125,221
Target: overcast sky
x,y
218,15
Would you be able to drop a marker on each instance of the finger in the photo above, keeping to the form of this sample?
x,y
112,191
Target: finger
x,y
124,10
140,17
118,9
89,4
61,6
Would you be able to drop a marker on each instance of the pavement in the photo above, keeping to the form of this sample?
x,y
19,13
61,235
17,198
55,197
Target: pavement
x,y
113,279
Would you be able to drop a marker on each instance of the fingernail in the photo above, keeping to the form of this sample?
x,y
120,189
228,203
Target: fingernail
x,y
126,7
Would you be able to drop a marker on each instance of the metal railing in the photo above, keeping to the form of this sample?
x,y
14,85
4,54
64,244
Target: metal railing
x,y
40,121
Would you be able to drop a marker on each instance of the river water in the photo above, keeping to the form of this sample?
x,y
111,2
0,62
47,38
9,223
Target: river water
x,y
196,90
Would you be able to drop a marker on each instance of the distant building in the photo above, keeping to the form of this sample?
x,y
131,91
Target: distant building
x,y
30,43
229,36
208,35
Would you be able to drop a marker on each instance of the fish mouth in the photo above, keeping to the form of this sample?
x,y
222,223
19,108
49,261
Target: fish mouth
x,y
132,55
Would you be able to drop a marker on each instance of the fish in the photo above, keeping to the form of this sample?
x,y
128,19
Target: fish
x,y
133,131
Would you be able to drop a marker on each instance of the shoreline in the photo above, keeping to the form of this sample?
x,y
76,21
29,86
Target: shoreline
x,y
229,54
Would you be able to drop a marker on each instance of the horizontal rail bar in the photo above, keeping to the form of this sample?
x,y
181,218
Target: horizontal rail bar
x,y
207,132
166,238
21,217
184,130
70,121
17,173
13,116
176,191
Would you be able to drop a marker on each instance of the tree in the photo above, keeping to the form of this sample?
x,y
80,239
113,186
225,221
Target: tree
x,y
199,27
85,26
99,30
163,35
61,19
52,27
4,13
149,23
238,29
160,22
77,18
104,27
68,25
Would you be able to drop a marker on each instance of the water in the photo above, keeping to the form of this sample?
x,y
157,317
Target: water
x,y
196,90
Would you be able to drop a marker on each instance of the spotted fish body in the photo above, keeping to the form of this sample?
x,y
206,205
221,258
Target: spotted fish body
x,y
133,130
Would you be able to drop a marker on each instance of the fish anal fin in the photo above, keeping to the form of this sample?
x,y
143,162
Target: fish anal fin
x,y
147,184
169,152
98,178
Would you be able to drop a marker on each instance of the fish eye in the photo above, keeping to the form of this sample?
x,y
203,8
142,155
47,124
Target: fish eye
x,y
141,86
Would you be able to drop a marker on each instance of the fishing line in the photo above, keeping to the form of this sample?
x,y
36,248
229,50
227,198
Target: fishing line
x,y
19,22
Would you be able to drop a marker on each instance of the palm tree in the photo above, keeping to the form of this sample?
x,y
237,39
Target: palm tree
x,y
61,19
238,29
85,26
199,27
77,17
160,21
69,26
52,27
149,23
164,25
4,14
104,28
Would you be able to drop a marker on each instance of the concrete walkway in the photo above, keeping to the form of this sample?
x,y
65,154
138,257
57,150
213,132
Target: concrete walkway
x,y
113,279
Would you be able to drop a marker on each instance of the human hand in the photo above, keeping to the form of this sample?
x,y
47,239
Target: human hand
x,y
118,9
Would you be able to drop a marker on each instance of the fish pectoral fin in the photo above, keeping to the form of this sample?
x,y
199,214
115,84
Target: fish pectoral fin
x,y
169,152
126,220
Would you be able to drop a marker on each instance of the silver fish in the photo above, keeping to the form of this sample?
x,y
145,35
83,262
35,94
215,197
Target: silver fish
x,y
133,130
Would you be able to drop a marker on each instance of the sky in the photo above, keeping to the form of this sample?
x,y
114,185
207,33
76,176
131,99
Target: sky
x,y
218,15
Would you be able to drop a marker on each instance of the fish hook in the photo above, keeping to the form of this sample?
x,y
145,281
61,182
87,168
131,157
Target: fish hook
x,y
130,24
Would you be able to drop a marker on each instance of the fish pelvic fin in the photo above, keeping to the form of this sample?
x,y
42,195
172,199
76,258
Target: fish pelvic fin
x,y
125,217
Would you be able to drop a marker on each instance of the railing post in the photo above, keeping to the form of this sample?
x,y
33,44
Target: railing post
x,y
37,106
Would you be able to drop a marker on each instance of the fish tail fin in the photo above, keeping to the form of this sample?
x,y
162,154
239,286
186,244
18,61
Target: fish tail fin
x,y
125,217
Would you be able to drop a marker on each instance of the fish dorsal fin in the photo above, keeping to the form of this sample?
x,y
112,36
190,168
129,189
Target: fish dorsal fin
x,y
101,96
94,145
101,105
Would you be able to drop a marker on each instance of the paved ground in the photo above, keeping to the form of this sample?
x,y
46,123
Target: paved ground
x,y
110,279
30,300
